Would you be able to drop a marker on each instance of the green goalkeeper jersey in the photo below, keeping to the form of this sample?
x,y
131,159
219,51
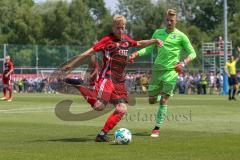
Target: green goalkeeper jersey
x,y
169,54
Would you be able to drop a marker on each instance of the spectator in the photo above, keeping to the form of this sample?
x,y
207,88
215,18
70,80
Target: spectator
x,y
144,83
137,85
219,83
181,84
212,83
220,44
20,85
188,81
203,83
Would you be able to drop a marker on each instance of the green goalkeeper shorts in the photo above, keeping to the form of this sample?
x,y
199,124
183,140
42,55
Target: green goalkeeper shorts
x,y
162,81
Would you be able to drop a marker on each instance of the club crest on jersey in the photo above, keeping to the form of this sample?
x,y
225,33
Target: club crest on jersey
x,y
110,46
174,36
124,44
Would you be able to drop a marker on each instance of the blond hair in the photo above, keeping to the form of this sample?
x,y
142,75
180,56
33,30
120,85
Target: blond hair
x,y
171,12
118,19
7,57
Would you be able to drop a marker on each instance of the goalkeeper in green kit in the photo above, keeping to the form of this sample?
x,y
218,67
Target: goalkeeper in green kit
x,y
167,65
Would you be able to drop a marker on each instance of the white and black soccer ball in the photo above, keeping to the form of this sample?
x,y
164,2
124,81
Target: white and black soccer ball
x,y
123,136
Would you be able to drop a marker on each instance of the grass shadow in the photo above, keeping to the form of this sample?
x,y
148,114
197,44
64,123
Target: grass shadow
x,y
68,140
141,134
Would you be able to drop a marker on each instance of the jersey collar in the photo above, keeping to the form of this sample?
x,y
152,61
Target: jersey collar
x,y
170,32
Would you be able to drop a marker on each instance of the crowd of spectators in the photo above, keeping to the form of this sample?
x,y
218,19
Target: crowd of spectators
x,y
187,83
33,85
196,83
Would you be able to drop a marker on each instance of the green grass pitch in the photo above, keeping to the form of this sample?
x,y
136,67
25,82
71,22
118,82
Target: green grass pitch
x,y
197,128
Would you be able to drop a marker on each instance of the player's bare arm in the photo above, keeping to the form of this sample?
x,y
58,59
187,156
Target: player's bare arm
x,y
145,43
78,58
226,71
11,71
238,48
94,72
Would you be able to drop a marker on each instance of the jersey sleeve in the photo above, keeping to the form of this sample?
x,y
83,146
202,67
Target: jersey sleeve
x,y
11,66
132,42
99,46
235,62
148,50
188,47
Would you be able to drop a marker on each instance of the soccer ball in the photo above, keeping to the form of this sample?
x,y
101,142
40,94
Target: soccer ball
x,y
123,136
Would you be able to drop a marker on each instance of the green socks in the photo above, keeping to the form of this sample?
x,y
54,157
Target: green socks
x,y
161,114
158,98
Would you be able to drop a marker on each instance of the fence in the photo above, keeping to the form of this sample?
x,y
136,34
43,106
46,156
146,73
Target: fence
x,y
34,58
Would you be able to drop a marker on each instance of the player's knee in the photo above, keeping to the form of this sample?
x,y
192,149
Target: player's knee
x,y
9,86
152,100
121,108
164,100
5,86
235,87
99,106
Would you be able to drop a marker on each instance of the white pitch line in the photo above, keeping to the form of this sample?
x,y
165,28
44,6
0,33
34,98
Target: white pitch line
x,y
29,109
25,109
23,112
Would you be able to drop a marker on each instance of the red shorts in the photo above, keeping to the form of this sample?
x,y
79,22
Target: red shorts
x,y
6,80
111,92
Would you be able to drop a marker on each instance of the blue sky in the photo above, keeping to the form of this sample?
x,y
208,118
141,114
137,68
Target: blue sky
x,y
111,4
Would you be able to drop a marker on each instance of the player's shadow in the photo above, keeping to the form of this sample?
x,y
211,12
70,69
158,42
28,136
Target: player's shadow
x,y
138,134
73,140
92,135
69,140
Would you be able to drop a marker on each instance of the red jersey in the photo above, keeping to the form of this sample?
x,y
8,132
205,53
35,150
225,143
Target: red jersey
x,y
7,67
115,56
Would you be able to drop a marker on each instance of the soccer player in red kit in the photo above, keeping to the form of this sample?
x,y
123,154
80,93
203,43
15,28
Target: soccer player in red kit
x,y
6,78
110,85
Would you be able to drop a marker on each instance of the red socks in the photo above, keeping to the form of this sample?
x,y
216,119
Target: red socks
x,y
10,92
4,92
112,121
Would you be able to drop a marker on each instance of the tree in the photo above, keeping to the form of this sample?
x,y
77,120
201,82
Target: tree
x,y
80,29
234,30
101,16
19,23
142,15
97,8
55,22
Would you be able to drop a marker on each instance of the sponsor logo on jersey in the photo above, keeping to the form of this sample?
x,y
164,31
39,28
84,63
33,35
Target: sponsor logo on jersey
x,y
123,52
